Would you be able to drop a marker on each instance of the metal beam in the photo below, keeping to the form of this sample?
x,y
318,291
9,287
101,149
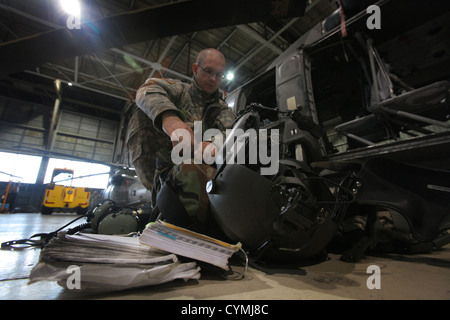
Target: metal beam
x,y
258,49
77,85
29,16
102,79
226,39
255,35
172,63
154,65
92,78
163,54
114,77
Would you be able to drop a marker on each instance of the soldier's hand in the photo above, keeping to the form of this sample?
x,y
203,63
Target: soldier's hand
x,y
170,123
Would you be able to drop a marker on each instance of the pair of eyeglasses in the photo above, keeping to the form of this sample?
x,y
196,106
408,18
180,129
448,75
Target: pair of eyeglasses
x,y
211,74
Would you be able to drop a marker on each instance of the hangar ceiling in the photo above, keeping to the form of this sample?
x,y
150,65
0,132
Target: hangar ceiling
x,y
144,38
120,43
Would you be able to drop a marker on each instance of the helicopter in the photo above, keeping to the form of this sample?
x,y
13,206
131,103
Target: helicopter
x,y
374,75
364,94
363,83
356,79
126,190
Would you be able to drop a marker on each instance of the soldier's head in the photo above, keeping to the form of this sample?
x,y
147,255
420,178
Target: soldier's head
x,y
209,70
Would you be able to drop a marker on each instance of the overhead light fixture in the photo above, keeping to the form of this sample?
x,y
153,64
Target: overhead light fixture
x,y
230,76
71,7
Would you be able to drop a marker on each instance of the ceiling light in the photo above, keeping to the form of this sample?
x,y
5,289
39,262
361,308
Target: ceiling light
x,y
71,7
230,76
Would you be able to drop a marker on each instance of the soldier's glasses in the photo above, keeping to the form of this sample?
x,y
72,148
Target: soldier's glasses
x,y
211,74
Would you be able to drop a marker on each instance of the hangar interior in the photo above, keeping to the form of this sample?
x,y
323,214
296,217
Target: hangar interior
x,y
67,90
98,86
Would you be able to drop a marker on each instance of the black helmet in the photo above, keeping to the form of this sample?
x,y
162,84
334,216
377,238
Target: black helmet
x,y
288,216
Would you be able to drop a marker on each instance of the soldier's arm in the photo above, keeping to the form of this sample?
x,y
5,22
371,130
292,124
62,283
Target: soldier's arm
x,y
170,122
157,97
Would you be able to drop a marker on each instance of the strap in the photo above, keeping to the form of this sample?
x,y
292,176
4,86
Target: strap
x,y
308,124
343,27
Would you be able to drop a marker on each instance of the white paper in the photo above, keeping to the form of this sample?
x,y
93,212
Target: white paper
x,y
108,263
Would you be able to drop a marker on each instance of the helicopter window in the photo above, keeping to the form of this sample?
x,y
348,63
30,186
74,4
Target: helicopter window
x,y
348,100
63,178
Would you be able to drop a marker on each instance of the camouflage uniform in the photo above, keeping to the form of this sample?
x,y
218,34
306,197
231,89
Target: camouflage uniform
x,y
150,147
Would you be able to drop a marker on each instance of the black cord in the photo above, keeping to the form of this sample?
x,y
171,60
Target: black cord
x,y
68,224
44,238
79,228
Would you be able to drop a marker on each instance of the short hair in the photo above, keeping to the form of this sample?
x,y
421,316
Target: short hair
x,y
202,54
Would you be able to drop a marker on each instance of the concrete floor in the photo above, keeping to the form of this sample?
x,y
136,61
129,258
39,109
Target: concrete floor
x,y
419,276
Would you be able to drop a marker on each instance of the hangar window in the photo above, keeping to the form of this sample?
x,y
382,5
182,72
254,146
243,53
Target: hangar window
x,y
24,169
19,167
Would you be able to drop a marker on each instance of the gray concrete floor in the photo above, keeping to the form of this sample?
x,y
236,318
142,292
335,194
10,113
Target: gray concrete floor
x,y
419,276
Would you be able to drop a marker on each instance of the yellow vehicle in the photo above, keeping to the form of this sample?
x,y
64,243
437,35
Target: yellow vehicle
x,y
60,195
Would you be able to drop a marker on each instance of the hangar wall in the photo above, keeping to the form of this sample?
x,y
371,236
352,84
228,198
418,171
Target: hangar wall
x,y
24,128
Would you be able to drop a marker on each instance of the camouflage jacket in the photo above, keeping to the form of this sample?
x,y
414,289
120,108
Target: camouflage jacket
x,y
156,96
